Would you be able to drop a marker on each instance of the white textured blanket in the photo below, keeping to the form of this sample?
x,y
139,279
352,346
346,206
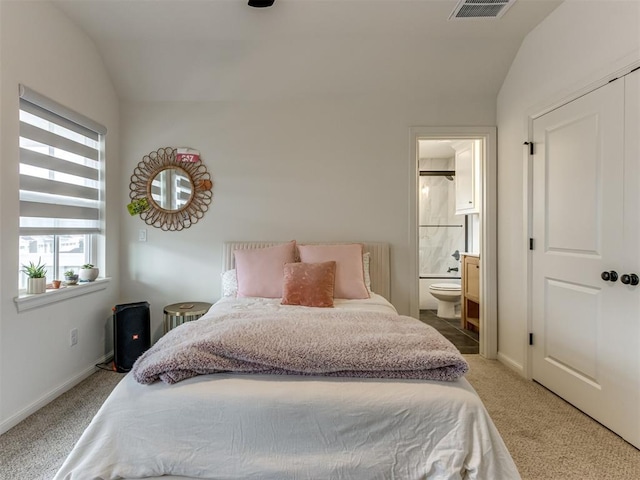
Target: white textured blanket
x,y
311,342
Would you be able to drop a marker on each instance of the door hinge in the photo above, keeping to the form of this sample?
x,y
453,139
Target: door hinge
x,y
530,147
531,339
531,244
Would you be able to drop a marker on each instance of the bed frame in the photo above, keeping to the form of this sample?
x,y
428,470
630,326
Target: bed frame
x,y
378,266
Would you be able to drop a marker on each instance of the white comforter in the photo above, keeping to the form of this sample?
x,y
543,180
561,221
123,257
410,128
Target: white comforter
x,y
228,426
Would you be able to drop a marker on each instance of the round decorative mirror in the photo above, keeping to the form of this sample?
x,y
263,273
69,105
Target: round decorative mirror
x,y
168,191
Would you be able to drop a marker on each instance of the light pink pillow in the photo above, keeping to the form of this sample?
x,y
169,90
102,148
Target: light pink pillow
x,y
309,284
349,267
260,270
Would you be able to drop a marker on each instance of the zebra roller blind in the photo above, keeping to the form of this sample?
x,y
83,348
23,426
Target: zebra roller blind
x,y
60,171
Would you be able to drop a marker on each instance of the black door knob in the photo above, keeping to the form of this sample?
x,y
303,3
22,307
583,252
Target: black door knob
x,y
611,276
630,279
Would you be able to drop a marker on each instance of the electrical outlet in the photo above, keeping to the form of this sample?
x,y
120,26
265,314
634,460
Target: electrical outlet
x,y
74,337
142,235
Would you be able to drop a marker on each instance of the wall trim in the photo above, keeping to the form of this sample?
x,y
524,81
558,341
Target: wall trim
x,y
27,302
510,363
488,227
18,417
589,85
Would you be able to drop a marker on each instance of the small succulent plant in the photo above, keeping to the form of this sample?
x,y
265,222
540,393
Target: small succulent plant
x,y
87,265
69,273
34,271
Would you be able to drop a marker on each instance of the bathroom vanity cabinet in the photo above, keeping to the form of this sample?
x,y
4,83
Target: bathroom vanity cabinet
x,y
470,299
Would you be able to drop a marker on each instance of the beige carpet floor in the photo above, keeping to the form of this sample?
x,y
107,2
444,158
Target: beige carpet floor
x,y
547,437
36,447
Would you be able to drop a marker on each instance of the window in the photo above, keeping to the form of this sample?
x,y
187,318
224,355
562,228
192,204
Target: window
x,y
61,197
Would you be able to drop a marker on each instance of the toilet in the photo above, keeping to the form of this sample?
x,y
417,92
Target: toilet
x,y
448,295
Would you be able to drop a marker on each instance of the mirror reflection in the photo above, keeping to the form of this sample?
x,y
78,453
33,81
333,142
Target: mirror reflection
x,y
171,189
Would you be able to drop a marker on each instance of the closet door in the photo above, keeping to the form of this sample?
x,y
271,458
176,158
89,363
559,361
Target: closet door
x,y
586,325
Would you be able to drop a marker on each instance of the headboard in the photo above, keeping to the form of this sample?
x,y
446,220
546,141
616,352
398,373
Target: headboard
x,y
378,266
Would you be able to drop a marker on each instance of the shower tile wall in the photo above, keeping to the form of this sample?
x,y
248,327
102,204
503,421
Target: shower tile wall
x,y
441,231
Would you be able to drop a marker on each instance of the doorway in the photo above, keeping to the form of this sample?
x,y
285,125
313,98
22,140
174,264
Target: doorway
x,y
453,211
444,236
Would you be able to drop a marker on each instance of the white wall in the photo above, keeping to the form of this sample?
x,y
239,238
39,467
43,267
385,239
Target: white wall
x,y
42,49
579,43
325,169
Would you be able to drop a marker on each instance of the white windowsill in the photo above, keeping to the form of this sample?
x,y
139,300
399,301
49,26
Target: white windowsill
x,y
26,302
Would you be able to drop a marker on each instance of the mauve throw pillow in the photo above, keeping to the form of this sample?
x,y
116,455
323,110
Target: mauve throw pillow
x,y
349,267
260,270
309,284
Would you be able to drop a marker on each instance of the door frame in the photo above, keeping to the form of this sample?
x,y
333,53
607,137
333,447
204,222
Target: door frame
x,y
535,113
488,227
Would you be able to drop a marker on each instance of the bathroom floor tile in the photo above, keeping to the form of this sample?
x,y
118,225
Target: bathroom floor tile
x,y
465,340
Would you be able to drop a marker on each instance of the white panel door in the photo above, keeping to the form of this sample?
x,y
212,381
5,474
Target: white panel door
x,y
585,222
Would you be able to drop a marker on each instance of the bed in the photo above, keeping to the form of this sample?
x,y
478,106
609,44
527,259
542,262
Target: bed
x,y
278,423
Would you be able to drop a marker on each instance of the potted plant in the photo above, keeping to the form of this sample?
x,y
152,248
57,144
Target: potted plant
x,y
70,277
37,277
88,273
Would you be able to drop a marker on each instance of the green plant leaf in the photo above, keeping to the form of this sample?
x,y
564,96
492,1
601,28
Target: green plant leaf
x,y
35,271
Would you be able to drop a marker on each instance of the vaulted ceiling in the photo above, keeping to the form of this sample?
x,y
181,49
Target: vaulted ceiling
x,y
224,50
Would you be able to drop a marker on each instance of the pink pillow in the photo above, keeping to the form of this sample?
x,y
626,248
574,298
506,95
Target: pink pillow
x,y
260,270
309,284
349,267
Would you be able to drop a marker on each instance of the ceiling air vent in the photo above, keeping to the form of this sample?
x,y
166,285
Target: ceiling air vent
x,y
481,8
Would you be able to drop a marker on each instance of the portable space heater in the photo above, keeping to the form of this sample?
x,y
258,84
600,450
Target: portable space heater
x,y
131,334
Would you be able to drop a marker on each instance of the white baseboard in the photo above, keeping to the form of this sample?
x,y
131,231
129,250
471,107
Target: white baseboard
x,y
512,364
52,395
